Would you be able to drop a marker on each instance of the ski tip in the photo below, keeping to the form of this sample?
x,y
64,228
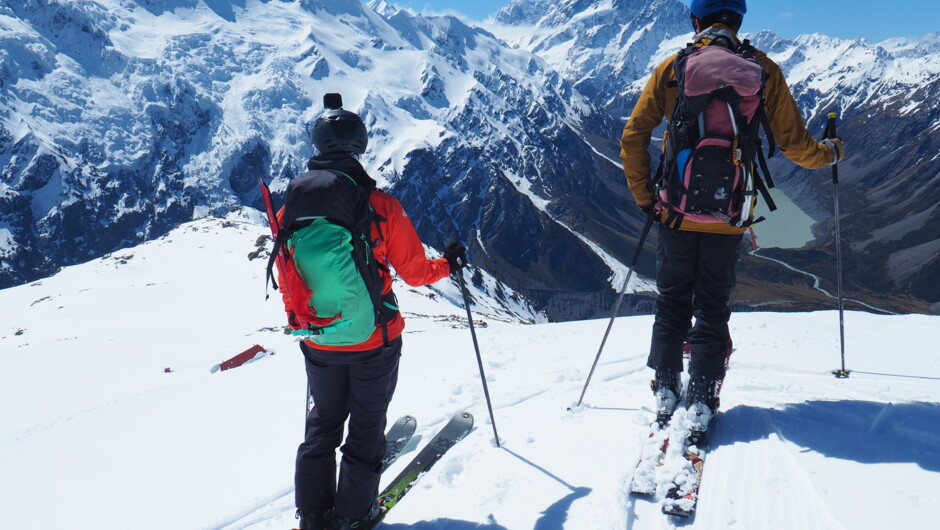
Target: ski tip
x,y
676,505
465,420
677,512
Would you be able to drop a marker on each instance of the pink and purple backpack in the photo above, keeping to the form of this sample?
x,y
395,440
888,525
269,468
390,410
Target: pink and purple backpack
x,y
709,169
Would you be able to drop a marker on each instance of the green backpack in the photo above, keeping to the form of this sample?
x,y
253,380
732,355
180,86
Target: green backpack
x,y
332,276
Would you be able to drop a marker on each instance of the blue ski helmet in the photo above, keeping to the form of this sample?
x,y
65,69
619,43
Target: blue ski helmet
x,y
703,8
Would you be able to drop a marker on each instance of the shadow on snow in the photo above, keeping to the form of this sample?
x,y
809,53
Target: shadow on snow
x,y
556,514
553,517
444,524
862,431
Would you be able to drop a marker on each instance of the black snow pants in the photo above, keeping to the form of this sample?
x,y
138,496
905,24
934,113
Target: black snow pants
x,y
354,385
695,273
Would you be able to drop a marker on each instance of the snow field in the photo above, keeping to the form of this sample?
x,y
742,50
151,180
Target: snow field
x,y
94,434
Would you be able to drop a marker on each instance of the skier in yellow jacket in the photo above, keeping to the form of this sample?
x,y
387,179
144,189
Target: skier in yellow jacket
x,y
695,259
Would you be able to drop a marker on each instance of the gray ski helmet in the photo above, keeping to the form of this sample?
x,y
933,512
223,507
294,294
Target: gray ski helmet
x,y
338,130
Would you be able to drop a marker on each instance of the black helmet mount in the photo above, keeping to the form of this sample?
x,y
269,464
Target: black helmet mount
x,y
338,130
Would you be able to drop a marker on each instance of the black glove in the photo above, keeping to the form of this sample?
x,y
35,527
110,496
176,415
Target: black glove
x,y
456,256
650,210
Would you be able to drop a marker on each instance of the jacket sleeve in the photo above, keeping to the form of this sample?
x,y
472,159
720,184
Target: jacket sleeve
x,y
647,114
786,122
404,250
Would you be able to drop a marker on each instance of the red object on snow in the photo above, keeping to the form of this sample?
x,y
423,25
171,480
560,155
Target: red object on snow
x,y
242,358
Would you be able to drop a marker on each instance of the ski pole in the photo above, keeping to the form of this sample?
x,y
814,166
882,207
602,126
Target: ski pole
x,y
476,346
309,401
830,132
623,291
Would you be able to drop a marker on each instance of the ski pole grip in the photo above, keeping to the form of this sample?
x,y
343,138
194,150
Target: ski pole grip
x,y
831,133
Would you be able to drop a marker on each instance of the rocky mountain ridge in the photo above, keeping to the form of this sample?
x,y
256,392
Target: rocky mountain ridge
x,y
886,95
120,119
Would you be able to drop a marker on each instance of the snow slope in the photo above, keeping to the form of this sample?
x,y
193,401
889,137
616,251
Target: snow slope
x,y
95,435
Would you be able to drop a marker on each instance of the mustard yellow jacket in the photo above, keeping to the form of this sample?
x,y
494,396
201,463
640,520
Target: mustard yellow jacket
x,y
657,102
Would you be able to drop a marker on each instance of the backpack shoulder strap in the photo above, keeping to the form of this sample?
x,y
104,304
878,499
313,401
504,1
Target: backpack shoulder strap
x,y
746,50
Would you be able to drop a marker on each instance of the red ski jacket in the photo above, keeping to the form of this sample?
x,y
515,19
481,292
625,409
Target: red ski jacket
x,y
398,247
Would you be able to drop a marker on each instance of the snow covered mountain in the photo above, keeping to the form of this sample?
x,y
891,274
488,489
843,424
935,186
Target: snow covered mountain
x,y
887,96
888,99
120,119
605,48
112,418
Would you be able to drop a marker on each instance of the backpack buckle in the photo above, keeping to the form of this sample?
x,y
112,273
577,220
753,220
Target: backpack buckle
x,y
736,155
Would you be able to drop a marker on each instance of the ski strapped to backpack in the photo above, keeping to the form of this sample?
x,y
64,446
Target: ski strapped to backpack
x,y
328,266
708,172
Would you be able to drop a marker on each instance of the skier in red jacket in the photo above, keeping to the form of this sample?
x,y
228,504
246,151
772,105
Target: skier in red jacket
x,y
356,381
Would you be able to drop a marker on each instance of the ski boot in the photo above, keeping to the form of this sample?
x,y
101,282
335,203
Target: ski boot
x,y
368,520
307,521
702,404
666,387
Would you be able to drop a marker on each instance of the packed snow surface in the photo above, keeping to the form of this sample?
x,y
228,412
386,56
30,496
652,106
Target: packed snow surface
x,y
111,419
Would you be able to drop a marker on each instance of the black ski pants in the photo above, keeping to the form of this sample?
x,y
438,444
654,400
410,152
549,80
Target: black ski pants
x,y
695,273
354,385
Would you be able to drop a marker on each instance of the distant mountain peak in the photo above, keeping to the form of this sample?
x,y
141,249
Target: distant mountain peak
x,y
121,119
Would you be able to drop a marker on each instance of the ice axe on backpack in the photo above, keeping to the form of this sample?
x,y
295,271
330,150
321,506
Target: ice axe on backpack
x,y
280,256
636,258
830,132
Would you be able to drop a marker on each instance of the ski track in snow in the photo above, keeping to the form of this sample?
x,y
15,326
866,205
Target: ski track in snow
x,y
260,516
793,447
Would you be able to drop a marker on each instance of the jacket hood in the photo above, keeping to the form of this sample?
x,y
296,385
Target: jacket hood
x,y
345,163
716,31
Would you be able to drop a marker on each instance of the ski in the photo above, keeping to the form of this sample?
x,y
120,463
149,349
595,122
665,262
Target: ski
x,y
652,456
455,430
652,453
397,438
682,498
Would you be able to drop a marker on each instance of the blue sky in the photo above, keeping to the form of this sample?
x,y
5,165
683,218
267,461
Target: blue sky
x,y
874,20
